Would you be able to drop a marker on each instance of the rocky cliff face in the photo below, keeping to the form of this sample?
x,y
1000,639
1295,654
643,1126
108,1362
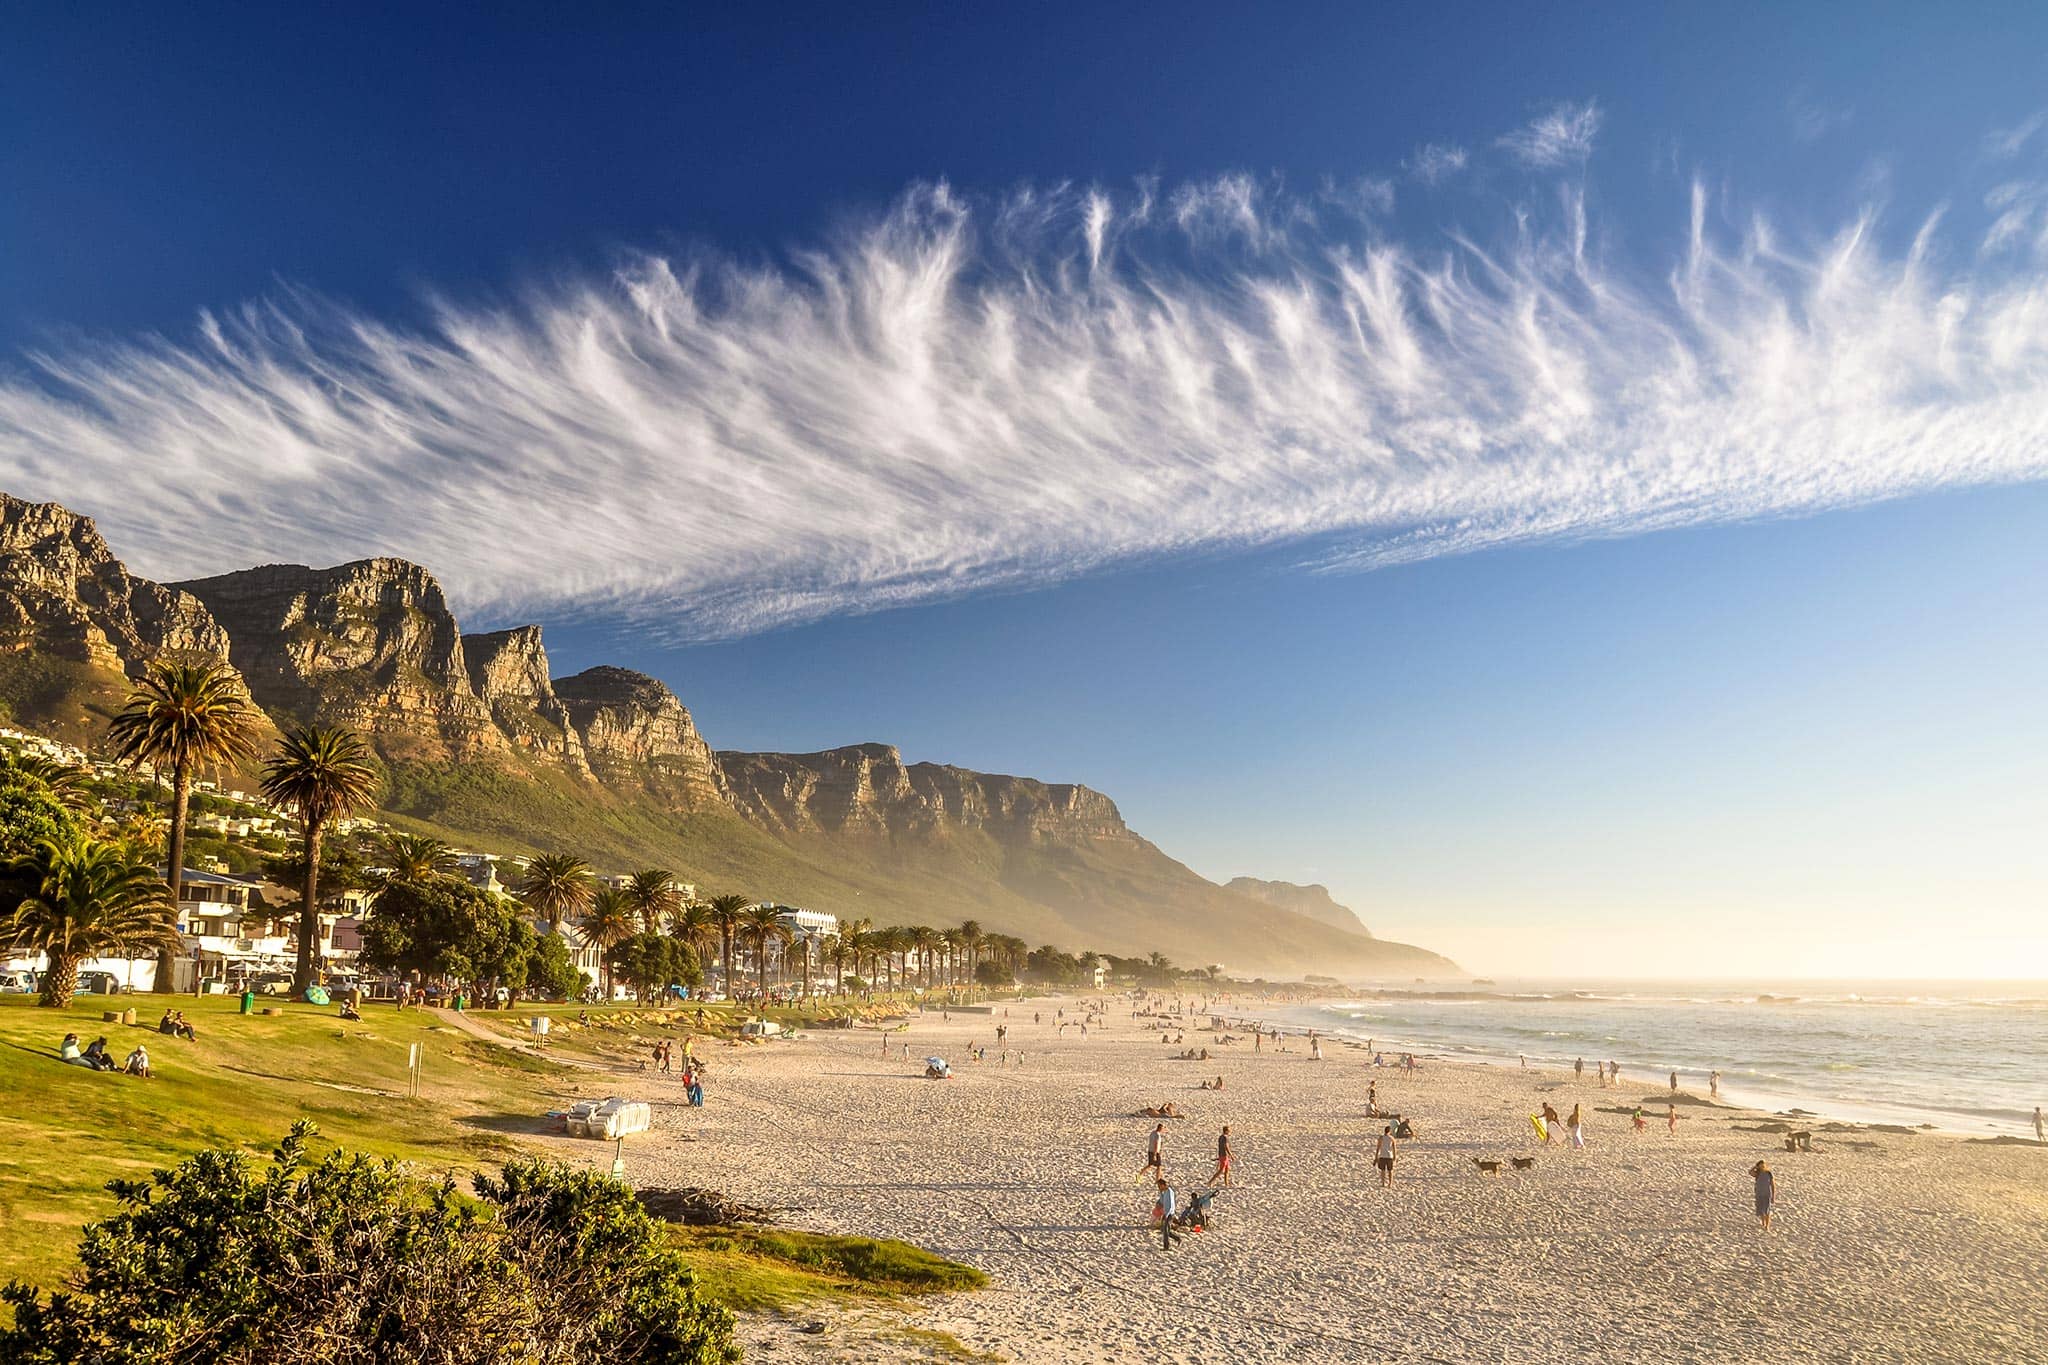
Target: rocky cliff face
x,y
63,593
1313,900
370,645
610,764
508,670
867,790
632,728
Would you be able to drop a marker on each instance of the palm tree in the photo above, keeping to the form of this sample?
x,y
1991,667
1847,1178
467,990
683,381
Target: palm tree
x,y
763,923
555,886
971,938
64,782
414,857
86,898
951,939
925,939
609,921
181,716
327,773
693,925
832,948
725,913
653,894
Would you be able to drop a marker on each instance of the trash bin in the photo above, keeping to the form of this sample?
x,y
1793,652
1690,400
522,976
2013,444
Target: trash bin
x,y
248,1001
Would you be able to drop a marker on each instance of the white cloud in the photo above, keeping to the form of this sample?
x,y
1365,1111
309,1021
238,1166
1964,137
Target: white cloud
x,y
968,394
1560,137
1435,162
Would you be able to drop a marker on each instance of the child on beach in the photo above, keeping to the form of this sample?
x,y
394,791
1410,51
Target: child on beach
x,y
1640,1122
1671,1118
1766,1193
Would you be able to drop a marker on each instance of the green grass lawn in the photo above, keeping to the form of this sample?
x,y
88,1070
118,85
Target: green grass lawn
x,y
66,1131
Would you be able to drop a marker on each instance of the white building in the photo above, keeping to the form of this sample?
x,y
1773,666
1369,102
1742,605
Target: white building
x,y
808,923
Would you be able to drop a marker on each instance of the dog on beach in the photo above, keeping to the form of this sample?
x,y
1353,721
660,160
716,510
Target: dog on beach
x,y
1487,1167
1523,1163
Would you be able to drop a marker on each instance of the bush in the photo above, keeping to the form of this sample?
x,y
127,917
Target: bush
x,y
992,974
349,1261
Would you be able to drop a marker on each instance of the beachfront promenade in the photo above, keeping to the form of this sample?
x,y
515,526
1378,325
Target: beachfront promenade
x,y
1643,1246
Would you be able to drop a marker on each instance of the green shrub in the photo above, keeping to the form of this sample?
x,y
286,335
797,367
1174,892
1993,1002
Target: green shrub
x,y
349,1261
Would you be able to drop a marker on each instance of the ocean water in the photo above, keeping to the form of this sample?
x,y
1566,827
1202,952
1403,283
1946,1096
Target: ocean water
x,y
1969,1057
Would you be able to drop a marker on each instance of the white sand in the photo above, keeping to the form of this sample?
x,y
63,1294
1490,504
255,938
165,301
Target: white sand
x,y
1642,1247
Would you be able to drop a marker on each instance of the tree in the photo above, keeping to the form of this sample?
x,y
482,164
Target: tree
x,y
763,924
326,773
414,857
654,897
181,716
971,937
77,898
725,913
441,926
348,1261
556,886
693,925
30,814
992,973
551,973
653,961
607,923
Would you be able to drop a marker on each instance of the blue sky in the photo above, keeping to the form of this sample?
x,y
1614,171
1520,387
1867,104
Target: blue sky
x,y
1572,485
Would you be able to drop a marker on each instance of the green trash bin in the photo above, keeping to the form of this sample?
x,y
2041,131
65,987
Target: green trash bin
x,y
248,1001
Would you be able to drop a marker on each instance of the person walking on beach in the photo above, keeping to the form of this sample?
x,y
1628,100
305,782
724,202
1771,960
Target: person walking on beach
x,y
1674,1082
2040,1127
1671,1118
1714,1085
1638,1120
1579,1069
1384,1157
1551,1124
1164,1209
1222,1158
1578,1131
1155,1155
1766,1192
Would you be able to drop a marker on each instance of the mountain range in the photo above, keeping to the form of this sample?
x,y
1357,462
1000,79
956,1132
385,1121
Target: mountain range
x,y
482,744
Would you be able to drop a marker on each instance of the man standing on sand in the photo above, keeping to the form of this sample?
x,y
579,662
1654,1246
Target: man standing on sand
x,y
2040,1128
1155,1156
1579,1069
1384,1157
1164,1209
1674,1082
1714,1086
1766,1193
1222,1158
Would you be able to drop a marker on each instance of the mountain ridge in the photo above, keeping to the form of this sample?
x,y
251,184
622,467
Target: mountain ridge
x,y
482,741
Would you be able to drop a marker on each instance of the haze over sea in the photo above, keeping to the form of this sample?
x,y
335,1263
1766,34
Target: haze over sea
x,y
1967,1056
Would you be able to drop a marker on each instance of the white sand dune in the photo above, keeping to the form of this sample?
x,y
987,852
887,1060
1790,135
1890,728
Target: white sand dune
x,y
1642,1247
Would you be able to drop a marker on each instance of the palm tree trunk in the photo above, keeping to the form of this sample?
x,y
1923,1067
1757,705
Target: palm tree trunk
x,y
60,982
181,795
309,913
761,964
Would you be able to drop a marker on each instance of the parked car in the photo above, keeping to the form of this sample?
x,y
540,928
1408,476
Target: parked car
x,y
271,983
17,983
98,983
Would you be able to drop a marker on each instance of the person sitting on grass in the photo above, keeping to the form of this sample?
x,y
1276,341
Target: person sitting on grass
x,y
168,1025
67,1051
96,1055
138,1062
182,1028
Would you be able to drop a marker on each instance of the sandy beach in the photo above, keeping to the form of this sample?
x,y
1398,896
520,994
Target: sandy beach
x,y
1887,1246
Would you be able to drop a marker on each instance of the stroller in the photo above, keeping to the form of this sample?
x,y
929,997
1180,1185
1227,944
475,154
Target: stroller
x,y
1193,1214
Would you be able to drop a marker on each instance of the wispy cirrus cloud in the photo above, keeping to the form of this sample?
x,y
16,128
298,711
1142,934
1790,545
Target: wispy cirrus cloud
x,y
1563,136
1436,162
966,393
